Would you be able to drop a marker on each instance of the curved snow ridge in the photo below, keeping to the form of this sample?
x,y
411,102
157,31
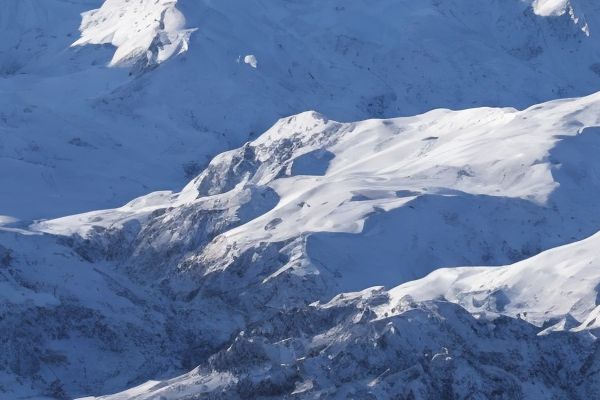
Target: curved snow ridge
x,y
331,175
296,45
557,8
145,32
380,191
380,165
559,284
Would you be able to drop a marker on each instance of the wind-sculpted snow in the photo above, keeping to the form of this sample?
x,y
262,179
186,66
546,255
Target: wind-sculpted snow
x,y
88,136
235,273
403,196
145,33
559,286
582,12
450,254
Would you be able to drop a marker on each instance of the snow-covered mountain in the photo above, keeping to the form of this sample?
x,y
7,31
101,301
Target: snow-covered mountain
x,y
225,274
480,186
379,247
389,344
234,67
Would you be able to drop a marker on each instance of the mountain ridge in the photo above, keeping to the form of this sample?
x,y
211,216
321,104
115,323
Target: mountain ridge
x,y
190,272
64,110
430,231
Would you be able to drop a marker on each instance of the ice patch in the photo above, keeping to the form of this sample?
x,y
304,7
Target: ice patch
x,y
251,60
550,8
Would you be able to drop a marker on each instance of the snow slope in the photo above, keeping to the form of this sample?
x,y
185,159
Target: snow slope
x,y
64,112
383,344
72,327
526,330
144,33
266,275
236,272
559,284
405,196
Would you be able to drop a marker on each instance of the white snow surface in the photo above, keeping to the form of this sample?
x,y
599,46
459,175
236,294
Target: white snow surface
x,y
550,286
251,60
379,191
550,7
311,209
183,99
149,30
384,258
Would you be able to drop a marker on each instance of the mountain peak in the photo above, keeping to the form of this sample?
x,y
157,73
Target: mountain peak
x,y
145,33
